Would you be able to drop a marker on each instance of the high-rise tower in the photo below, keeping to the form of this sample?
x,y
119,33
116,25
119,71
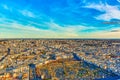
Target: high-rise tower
x,y
32,72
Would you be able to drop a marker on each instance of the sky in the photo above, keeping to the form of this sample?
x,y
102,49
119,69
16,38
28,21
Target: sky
x,y
59,18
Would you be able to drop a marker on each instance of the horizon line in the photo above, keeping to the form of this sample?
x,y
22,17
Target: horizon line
x,y
60,38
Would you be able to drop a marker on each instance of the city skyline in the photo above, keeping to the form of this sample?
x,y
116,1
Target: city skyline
x,y
60,19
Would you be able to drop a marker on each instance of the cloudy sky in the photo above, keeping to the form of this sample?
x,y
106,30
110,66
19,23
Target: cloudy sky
x,y
59,18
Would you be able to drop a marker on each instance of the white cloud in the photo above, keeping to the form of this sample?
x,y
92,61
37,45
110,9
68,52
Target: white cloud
x,y
24,12
68,30
115,30
17,30
118,0
5,7
62,31
109,12
16,26
22,27
27,13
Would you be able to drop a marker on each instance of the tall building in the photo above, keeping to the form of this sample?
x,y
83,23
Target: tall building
x,y
32,72
8,51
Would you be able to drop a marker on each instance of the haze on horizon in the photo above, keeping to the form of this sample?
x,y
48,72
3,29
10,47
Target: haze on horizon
x,y
60,19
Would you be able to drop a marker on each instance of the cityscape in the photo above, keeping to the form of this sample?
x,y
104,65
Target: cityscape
x,y
59,59
59,39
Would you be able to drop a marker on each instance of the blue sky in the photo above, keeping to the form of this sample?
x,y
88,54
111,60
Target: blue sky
x,y
59,19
